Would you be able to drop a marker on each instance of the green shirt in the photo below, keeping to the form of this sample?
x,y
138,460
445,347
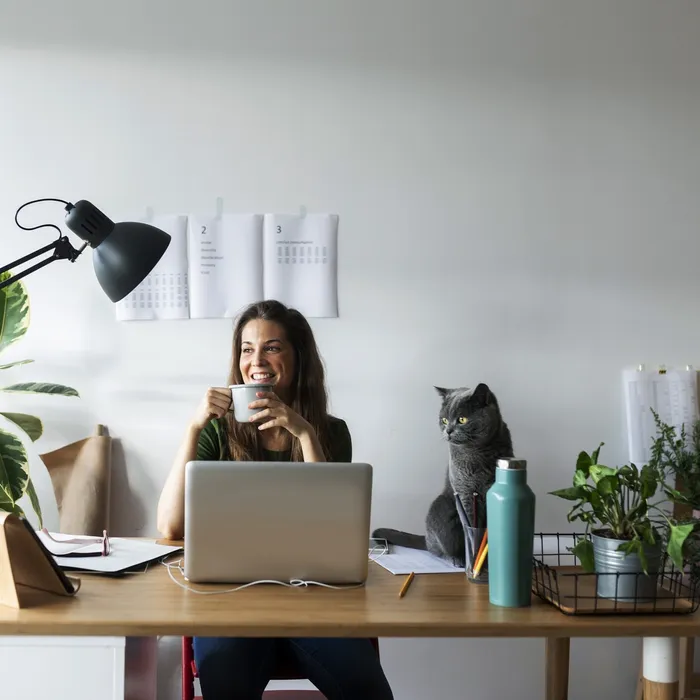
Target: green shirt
x,y
213,443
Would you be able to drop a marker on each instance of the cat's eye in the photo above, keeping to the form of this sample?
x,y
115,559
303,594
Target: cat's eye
x,y
444,420
462,420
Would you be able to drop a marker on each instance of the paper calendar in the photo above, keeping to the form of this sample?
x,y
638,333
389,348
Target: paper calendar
x,y
216,265
672,393
300,262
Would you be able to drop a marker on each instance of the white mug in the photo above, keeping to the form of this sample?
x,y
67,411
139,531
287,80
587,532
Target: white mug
x,y
241,396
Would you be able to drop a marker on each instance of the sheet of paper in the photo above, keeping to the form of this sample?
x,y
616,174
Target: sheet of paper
x,y
673,395
164,293
403,560
58,546
300,262
124,554
225,264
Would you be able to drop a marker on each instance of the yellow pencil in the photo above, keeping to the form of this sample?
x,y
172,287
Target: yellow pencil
x,y
406,584
481,559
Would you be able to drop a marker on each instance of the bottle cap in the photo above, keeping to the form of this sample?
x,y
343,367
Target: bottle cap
x,y
512,463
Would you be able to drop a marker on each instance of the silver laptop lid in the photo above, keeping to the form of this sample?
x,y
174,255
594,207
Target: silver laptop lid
x,y
251,521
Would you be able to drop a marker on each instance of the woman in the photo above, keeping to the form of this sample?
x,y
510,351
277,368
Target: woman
x,y
275,345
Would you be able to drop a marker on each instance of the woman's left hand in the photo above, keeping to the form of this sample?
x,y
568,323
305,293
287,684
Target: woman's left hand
x,y
276,414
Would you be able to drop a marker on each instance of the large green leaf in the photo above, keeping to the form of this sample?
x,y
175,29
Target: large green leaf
x,y
676,540
584,551
30,424
14,312
583,463
573,493
608,485
34,500
598,471
41,388
649,481
580,477
14,470
16,364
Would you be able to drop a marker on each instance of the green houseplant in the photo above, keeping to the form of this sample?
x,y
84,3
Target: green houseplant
x,y
678,456
15,481
623,510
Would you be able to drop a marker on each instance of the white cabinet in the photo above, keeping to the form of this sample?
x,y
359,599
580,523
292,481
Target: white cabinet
x,y
78,668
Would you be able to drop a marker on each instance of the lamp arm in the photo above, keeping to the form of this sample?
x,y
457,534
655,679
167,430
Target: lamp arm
x,y
62,250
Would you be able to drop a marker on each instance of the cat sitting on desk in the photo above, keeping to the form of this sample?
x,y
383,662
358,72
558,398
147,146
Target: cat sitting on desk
x,y
478,437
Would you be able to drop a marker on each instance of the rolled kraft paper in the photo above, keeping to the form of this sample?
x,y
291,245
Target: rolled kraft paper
x,y
81,474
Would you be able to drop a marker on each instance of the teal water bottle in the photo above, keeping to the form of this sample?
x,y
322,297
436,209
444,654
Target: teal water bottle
x,y
510,518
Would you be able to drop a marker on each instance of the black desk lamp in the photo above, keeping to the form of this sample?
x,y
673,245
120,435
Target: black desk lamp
x,y
123,254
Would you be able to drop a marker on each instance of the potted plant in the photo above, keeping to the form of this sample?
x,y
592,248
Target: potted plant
x,y
679,456
628,532
14,463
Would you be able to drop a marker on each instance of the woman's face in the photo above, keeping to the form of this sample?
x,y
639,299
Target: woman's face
x,y
266,356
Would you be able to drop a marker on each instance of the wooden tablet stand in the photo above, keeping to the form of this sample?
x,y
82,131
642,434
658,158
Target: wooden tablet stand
x,y
29,576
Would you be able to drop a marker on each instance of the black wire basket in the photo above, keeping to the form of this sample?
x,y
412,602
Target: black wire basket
x,y
559,579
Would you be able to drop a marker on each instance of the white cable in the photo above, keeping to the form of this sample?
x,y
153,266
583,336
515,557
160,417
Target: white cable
x,y
384,550
294,583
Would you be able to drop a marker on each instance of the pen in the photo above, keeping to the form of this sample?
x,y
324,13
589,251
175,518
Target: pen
x,y
406,584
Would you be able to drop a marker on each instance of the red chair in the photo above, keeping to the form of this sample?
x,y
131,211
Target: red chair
x,y
286,670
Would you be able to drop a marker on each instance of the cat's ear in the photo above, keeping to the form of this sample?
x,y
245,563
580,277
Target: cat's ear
x,y
443,392
482,394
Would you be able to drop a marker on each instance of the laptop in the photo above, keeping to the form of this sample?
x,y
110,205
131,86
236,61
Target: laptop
x,y
277,521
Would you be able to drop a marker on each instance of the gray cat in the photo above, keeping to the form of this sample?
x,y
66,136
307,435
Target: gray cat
x,y
478,437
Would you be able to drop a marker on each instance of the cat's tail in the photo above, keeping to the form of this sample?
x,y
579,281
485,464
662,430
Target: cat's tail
x,y
400,538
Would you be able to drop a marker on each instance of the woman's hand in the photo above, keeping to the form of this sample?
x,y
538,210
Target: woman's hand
x,y
215,404
276,414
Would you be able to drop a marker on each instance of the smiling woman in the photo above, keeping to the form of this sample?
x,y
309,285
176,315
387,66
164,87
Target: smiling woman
x,y
274,345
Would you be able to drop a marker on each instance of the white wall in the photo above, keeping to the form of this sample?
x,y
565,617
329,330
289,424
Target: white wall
x,y
517,186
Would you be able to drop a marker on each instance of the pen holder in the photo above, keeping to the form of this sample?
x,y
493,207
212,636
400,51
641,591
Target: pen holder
x,y
473,538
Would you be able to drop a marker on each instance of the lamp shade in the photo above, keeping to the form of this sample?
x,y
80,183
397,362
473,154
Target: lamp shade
x,y
123,254
124,259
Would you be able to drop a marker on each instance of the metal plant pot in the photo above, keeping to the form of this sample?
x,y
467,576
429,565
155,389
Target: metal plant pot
x,y
622,575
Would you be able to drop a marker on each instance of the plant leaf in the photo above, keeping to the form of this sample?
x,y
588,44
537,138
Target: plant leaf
x,y
583,463
584,551
16,364
41,388
598,471
14,470
29,424
676,540
596,453
573,493
34,500
608,485
580,477
14,312
635,546
649,482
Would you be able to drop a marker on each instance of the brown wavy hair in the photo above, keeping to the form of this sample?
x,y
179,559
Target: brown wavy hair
x,y
308,388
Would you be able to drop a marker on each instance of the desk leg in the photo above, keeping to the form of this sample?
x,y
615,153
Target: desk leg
x,y
660,668
557,668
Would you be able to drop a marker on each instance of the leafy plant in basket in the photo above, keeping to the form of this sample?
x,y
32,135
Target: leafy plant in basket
x,y
625,529
15,481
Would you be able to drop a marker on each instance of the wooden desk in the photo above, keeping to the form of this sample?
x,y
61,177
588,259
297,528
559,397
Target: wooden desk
x,y
440,605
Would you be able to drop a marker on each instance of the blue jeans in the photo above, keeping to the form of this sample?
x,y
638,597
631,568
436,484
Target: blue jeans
x,y
240,668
